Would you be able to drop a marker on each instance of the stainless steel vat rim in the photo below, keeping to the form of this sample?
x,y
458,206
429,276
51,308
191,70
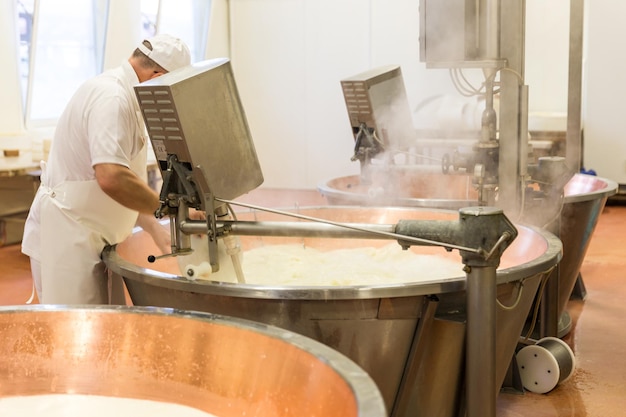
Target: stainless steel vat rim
x,y
134,272
609,190
368,397
440,203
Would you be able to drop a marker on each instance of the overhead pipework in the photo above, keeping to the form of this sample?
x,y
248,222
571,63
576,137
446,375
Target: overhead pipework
x,y
490,35
471,37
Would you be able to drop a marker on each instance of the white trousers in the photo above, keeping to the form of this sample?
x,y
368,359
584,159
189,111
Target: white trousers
x,y
116,288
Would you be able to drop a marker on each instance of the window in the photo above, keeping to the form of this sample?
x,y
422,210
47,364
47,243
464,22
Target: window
x,y
25,28
149,13
187,19
62,44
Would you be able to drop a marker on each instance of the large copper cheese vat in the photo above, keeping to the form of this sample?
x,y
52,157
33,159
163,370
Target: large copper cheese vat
x,y
410,338
225,366
584,199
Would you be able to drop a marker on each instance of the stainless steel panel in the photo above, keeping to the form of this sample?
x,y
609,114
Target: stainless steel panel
x,y
196,114
377,98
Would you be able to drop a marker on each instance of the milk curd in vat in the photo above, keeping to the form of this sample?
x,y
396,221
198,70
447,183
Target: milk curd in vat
x,y
292,264
74,405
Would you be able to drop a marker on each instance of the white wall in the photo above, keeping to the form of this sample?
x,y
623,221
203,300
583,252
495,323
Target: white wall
x,y
547,54
605,111
218,42
123,34
288,61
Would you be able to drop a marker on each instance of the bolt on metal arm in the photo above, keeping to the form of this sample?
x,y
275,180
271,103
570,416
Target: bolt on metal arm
x,y
486,229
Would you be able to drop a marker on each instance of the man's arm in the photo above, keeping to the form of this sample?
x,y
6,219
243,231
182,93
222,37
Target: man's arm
x,y
123,186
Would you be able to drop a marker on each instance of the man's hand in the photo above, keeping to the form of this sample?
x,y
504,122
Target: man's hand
x,y
197,215
160,235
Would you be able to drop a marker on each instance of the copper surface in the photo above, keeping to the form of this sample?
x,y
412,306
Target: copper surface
x,y
403,188
224,366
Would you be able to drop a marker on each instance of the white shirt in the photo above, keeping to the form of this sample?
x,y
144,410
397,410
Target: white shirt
x,y
99,125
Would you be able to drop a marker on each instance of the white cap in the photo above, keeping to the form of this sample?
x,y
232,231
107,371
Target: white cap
x,y
168,51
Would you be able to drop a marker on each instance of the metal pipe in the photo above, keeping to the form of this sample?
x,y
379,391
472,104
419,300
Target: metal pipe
x,y
302,229
512,36
489,32
481,342
322,228
489,37
523,137
182,241
549,307
573,140
489,120
293,228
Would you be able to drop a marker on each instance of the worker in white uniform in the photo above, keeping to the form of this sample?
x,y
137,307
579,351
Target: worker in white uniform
x,y
93,186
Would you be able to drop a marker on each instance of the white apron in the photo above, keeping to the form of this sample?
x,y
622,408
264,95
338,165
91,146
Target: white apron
x,y
77,221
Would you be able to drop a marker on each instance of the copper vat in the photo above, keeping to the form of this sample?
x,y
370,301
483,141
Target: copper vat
x,y
585,198
408,337
225,366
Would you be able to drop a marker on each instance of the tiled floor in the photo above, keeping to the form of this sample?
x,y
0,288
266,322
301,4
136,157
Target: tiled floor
x,y
597,387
